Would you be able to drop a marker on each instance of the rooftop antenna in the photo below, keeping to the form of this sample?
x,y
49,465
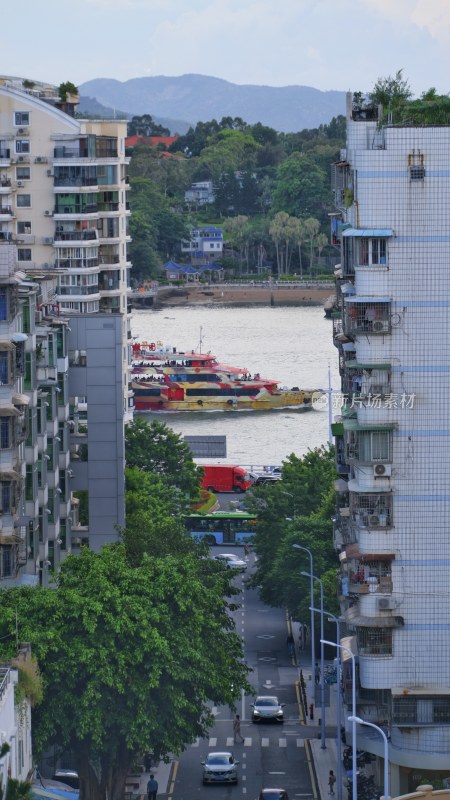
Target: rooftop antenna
x,y
201,340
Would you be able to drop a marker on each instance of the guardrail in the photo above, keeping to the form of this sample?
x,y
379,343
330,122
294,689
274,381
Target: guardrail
x,y
5,675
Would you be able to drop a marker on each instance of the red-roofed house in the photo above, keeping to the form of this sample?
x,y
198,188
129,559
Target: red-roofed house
x,y
149,141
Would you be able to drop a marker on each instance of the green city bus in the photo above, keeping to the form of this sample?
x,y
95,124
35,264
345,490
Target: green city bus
x,y
222,527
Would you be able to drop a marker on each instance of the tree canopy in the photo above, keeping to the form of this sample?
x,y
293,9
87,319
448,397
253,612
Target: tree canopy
x,y
130,655
296,509
156,448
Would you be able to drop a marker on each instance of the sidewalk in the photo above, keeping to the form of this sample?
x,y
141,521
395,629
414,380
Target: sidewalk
x,y
323,759
162,773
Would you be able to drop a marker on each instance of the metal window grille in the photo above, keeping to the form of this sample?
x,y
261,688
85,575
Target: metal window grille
x,y
376,642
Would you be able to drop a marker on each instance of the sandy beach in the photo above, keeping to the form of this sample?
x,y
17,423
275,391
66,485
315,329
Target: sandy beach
x,y
242,295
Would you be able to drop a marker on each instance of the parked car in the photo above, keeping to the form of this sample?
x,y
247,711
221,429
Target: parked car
x,y
231,560
259,478
67,776
273,794
267,707
220,768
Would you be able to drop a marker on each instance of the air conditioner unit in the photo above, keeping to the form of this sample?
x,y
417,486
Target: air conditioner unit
x,y
386,603
382,470
40,160
38,317
76,541
380,326
21,158
48,213
19,184
48,240
50,173
373,520
21,130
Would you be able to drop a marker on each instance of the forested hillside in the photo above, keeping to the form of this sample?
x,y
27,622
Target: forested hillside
x,y
272,196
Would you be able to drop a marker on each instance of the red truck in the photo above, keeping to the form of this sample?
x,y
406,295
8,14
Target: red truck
x,y
225,478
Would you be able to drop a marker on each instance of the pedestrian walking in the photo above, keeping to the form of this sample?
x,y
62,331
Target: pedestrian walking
x,y
317,674
152,788
237,729
331,782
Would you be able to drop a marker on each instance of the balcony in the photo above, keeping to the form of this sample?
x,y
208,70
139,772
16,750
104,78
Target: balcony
x,y
371,510
6,212
75,236
367,315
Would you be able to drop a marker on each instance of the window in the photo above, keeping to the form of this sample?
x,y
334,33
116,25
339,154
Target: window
x,y
22,146
29,482
24,253
21,118
23,173
23,201
6,560
374,641
4,367
5,439
417,172
375,446
24,227
5,497
3,303
372,252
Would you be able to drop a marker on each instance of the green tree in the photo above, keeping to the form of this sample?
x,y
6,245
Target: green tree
x,y
156,448
66,88
302,187
130,657
298,502
391,92
154,521
145,125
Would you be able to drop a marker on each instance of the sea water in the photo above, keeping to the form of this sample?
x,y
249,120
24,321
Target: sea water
x,y
290,345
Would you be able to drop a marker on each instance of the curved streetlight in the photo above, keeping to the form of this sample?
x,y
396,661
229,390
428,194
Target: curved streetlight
x,y
322,662
311,588
360,721
338,708
353,717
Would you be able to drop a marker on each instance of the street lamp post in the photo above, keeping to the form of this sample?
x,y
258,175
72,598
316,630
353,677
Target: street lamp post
x,y
359,721
338,708
322,661
353,717
313,644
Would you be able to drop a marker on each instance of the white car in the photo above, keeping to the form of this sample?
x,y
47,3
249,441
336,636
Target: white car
x,y
220,768
267,707
231,560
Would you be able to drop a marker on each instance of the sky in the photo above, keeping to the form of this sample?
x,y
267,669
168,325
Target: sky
x,y
326,44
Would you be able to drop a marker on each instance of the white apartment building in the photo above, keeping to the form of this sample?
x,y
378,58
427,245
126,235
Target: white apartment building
x,y
63,309
392,191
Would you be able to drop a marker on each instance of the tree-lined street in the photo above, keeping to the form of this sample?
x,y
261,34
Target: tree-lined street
x,y
272,754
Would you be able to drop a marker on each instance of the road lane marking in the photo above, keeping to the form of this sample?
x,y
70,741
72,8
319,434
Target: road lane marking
x,y
230,741
196,743
212,742
282,742
277,773
300,742
247,741
264,742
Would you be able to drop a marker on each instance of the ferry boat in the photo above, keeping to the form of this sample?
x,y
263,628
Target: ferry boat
x,y
164,379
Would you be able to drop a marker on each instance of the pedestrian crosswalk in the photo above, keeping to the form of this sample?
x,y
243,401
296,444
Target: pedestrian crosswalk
x,y
223,743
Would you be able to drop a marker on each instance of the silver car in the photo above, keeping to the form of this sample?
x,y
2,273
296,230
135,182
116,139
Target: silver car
x,y
267,707
220,768
232,560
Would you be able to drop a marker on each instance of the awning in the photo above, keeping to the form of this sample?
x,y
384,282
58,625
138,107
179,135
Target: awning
x,y
354,486
351,551
9,411
20,399
369,233
354,425
367,299
348,288
18,338
360,365
340,485
374,622
349,347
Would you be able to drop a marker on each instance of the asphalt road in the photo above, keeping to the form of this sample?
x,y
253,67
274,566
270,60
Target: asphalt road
x,y
272,754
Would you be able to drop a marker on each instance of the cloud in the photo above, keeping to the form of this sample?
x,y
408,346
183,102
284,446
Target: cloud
x,y
432,16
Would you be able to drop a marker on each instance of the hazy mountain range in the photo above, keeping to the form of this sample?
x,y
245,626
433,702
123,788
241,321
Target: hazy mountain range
x,y
188,99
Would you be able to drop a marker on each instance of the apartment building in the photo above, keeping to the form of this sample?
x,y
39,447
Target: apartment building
x,y
63,262
391,188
